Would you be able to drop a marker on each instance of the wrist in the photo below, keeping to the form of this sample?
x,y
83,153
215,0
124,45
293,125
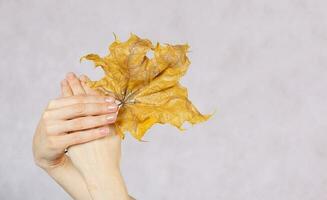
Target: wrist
x,y
107,185
54,167
50,166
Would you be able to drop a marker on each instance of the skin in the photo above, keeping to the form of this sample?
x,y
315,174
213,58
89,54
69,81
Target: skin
x,y
78,120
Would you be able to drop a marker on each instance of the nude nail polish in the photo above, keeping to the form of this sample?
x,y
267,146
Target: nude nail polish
x,y
110,99
117,102
112,107
104,131
111,117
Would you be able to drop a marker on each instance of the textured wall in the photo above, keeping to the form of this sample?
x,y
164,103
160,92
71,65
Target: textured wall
x,y
260,64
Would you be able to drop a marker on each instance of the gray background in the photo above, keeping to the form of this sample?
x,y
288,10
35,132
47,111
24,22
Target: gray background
x,y
260,64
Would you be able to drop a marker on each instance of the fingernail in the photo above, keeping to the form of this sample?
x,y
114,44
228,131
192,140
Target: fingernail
x,y
104,130
111,117
117,102
110,99
112,107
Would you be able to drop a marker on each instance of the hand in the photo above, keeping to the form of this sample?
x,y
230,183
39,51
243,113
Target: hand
x,y
72,120
112,143
69,114
98,161
51,136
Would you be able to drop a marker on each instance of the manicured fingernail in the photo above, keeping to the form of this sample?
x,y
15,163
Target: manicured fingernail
x,y
112,107
110,99
117,102
104,130
111,117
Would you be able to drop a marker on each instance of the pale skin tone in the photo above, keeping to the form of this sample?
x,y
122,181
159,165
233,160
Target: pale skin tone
x,y
79,120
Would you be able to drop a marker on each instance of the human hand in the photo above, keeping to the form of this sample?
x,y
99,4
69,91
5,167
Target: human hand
x,y
81,115
99,160
70,120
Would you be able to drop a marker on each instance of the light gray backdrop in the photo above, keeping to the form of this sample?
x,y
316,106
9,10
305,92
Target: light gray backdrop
x,y
261,64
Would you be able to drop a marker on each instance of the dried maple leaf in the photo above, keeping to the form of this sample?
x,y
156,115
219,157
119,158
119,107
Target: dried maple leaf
x,y
149,89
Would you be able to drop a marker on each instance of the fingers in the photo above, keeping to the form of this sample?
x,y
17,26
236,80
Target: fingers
x,y
67,101
65,89
79,137
82,123
80,109
87,89
75,84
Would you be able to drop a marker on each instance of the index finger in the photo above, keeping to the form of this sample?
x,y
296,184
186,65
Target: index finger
x,y
67,101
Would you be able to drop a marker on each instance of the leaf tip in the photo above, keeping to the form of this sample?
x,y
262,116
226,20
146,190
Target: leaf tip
x,y
115,36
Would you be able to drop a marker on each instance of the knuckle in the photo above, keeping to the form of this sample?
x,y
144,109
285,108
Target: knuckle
x,y
51,104
79,108
54,102
45,115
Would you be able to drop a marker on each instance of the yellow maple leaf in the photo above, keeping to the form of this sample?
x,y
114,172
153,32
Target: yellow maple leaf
x,y
148,88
